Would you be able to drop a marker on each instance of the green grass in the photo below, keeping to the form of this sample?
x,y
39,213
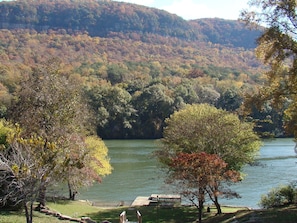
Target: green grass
x,y
155,214
76,209
19,217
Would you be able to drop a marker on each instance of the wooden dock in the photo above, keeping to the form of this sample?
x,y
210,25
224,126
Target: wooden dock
x,y
157,199
141,201
166,197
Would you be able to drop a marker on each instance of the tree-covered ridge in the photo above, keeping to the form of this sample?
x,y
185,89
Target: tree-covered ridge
x,y
21,45
109,18
226,32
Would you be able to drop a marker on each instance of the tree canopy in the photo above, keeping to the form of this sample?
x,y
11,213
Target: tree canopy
x,y
277,47
26,166
49,105
199,174
204,128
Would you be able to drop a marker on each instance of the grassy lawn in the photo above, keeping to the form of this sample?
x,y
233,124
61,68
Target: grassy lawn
x,y
155,214
19,217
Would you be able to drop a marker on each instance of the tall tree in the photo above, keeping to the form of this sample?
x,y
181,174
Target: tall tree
x,y
277,48
115,113
204,128
153,104
49,105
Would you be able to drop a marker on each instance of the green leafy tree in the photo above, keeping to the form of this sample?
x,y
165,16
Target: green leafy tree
x,y
115,74
204,128
207,94
229,100
277,48
114,111
187,92
153,104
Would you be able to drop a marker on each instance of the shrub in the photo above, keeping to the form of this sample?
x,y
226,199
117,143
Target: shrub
x,y
279,196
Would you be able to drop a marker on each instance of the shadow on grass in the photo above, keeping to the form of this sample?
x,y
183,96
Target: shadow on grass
x,y
275,215
11,212
150,214
189,214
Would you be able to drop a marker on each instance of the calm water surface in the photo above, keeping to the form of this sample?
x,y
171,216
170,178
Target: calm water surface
x,y
136,173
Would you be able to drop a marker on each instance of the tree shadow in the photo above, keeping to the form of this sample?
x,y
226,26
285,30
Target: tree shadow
x,y
150,214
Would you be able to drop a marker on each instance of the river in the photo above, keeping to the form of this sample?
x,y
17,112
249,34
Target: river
x,y
137,173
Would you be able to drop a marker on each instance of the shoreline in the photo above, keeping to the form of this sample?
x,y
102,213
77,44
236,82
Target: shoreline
x,y
111,205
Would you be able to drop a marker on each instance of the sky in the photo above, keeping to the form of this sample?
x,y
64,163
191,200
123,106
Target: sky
x,y
196,9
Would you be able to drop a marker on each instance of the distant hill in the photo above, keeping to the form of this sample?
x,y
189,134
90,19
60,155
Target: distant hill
x,y
110,19
226,32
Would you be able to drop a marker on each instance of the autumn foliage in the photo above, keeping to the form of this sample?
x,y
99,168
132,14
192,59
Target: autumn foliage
x,y
199,175
143,53
203,168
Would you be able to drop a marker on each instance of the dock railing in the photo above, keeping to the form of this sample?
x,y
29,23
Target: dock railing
x,y
123,217
165,199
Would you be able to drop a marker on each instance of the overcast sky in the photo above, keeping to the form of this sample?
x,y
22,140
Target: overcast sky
x,y
194,9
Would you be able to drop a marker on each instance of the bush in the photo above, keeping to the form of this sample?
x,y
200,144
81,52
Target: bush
x,y
279,196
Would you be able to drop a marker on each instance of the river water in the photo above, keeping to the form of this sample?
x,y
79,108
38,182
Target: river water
x,y
137,173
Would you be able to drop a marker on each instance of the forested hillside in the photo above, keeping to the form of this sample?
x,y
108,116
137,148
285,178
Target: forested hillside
x,y
108,18
137,65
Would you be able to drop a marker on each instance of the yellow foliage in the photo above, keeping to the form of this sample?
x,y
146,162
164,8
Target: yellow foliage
x,y
7,131
15,169
98,153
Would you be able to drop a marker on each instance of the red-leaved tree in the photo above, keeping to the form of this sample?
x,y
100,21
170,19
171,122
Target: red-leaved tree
x,y
200,174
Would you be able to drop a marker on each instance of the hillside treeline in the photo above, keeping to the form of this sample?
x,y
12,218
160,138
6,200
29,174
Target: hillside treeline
x,y
131,21
130,83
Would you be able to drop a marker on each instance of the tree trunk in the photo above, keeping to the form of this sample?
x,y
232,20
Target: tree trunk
x,y
41,197
201,203
218,206
71,192
200,211
29,212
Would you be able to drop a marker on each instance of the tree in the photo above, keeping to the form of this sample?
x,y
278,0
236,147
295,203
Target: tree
x,y
115,113
49,105
229,100
153,105
198,174
187,92
277,48
203,128
24,168
94,166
